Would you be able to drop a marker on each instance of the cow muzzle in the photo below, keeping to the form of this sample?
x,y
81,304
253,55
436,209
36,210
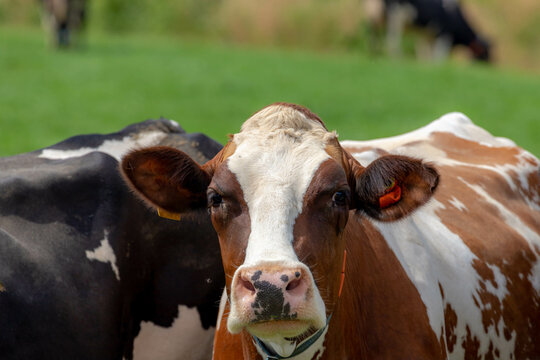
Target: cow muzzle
x,y
268,300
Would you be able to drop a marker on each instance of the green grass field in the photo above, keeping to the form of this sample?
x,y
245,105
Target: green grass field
x,y
47,96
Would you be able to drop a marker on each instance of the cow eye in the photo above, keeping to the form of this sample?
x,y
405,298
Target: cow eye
x,y
340,198
214,199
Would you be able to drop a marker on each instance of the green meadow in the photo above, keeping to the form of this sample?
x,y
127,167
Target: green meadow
x,y
47,95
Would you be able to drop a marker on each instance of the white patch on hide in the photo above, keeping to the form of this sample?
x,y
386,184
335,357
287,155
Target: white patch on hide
x,y
185,339
457,204
430,260
114,148
454,123
534,277
105,254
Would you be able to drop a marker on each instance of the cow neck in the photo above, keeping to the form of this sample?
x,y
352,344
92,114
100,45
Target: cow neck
x,y
307,343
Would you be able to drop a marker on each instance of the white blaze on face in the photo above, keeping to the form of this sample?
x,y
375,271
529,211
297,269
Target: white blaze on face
x,y
277,154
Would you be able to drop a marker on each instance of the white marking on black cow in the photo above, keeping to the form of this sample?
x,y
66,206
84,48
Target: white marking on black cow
x,y
174,123
105,254
184,339
115,148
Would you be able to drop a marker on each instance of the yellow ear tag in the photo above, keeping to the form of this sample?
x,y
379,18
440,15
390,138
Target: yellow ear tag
x,y
168,215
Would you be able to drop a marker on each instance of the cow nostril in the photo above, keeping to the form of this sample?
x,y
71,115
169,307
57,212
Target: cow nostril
x,y
247,284
293,285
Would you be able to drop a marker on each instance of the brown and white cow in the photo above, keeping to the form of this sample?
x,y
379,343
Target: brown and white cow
x,y
297,212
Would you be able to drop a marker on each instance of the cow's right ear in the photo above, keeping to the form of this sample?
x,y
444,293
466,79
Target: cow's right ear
x,y
166,178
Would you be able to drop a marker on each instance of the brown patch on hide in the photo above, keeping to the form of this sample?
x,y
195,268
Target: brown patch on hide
x,y
483,228
231,221
472,152
381,322
450,321
232,347
471,346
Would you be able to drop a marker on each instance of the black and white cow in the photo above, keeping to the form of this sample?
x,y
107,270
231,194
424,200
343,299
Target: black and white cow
x,y
443,20
87,271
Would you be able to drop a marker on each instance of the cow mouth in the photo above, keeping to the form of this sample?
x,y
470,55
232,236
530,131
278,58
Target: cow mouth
x,y
290,329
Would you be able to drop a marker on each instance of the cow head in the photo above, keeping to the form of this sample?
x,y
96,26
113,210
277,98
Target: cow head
x,y
481,49
279,194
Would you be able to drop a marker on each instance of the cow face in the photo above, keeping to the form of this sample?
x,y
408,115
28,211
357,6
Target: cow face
x,y
279,195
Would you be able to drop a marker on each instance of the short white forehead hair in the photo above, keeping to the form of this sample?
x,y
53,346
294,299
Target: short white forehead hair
x,y
282,119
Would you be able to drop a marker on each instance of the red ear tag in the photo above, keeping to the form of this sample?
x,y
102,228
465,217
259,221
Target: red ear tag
x,y
391,197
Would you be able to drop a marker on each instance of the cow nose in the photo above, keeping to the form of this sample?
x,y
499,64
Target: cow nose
x,y
272,294
287,280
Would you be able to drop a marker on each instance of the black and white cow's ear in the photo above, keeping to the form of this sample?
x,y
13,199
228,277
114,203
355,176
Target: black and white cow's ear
x,y
166,178
393,186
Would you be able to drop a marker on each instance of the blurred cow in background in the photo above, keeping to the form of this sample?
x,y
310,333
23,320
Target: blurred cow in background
x,y
442,20
64,19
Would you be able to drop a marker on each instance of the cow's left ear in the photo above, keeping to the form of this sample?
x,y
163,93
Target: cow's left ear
x,y
393,186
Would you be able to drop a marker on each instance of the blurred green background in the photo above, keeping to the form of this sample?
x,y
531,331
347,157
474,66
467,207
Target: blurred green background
x,y
209,64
